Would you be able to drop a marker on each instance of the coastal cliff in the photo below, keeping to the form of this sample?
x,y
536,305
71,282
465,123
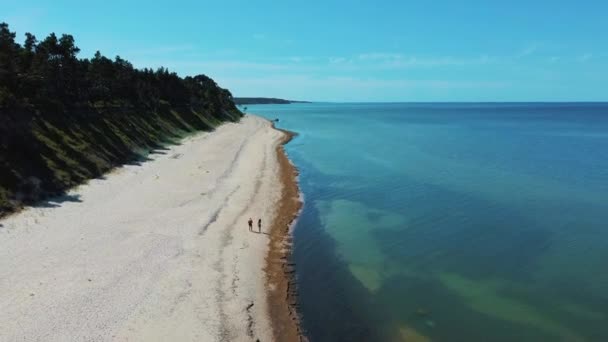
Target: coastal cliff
x,y
64,120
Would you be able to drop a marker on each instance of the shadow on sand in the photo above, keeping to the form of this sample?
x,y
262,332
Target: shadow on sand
x,y
139,161
57,201
259,232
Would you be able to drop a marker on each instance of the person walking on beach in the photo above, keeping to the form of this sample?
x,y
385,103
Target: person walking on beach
x,y
250,224
260,225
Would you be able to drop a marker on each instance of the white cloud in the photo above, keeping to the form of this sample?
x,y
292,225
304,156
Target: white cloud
x,y
160,50
380,56
585,57
399,61
408,62
279,81
193,67
527,51
337,60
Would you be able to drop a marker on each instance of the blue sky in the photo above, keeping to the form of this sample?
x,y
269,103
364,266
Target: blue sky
x,y
347,50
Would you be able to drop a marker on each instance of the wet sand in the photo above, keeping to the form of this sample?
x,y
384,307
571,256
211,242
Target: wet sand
x,y
282,297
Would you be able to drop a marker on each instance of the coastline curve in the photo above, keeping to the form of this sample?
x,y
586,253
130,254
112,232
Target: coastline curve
x,y
280,269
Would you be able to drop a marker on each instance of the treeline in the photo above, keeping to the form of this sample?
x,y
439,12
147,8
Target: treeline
x,y
64,120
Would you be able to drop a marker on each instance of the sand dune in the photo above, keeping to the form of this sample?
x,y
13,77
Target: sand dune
x,y
154,252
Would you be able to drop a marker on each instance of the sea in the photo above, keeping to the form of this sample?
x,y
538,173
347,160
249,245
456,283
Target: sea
x,y
450,221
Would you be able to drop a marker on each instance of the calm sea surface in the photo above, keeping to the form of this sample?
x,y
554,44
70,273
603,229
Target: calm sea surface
x,y
451,222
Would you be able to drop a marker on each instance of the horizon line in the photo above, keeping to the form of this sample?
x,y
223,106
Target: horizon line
x,y
425,102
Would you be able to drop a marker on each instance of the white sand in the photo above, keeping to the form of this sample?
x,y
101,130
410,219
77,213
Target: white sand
x,y
156,252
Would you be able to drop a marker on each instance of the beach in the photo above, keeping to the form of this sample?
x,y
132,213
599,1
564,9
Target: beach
x,y
155,251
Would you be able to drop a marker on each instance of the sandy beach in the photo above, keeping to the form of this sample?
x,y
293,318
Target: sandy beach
x,y
158,251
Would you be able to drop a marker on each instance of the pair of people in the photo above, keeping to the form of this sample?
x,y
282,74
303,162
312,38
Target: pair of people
x,y
251,225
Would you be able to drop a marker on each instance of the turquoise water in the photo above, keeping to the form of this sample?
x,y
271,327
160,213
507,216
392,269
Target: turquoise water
x,y
451,222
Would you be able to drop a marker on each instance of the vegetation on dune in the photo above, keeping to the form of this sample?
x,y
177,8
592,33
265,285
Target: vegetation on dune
x,y
64,120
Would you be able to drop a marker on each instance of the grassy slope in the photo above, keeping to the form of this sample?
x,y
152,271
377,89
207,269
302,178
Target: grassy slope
x,y
59,152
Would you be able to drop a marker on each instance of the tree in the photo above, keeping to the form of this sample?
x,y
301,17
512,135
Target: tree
x,y
8,67
48,74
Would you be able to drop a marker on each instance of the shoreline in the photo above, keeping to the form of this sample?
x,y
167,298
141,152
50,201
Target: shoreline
x,y
280,270
158,250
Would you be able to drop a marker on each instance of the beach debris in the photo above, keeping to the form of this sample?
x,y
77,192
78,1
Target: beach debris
x,y
250,322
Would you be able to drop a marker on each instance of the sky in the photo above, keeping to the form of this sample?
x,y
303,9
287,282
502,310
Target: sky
x,y
351,51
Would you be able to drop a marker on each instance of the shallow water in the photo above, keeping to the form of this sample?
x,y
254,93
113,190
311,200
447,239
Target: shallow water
x,y
451,222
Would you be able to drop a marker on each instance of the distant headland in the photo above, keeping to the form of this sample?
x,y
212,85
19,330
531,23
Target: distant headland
x,y
263,100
